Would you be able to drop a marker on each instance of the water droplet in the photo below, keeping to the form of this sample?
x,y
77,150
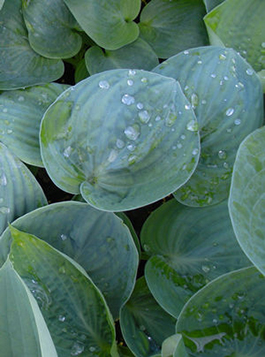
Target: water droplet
x,y
131,147
205,268
195,151
3,180
187,107
183,137
113,155
194,100
132,72
21,98
174,147
199,62
146,248
225,165
132,159
63,236
229,112
144,116
120,144
213,75
179,146
77,348
170,120
61,318
9,131
104,84
158,118
139,106
144,80
127,99
226,78
222,57
186,52
4,210
130,82
92,349
222,154
132,132
5,110
249,71
237,122
204,101
215,321
192,125
67,151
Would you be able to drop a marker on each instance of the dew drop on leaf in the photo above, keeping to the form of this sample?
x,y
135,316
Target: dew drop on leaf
x,y
132,132
77,348
222,154
144,116
67,151
112,156
229,112
237,122
104,84
139,106
130,82
21,98
192,125
120,144
127,99
249,71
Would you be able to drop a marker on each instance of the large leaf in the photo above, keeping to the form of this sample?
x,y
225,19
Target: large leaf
x,y
73,308
21,114
124,138
109,23
247,197
226,317
188,247
51,28
172,26
227,99
144,323
97,240
19,190
135,55
20,66
23,331
240,24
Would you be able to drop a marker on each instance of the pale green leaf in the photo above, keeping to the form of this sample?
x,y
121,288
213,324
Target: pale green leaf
x,y
173,346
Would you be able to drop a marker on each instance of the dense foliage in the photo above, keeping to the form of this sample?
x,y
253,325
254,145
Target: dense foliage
x,y
145,110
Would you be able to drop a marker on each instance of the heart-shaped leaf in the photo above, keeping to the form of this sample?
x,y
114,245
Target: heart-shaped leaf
x,y
144,323
226,317
73,308
23,329
172,26
97,240
20,66
123,138
189,247
135,55
225,93
109,23
51,28
21,114
247,197
240,24
19,190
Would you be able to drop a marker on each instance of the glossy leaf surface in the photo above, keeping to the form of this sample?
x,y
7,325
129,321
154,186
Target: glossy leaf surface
x,y
135,55
240,24
23,329
20,66
225,93
144,323
123,138
109,23
21,112
97,240
19,190
188,247
73,308
247,200
226,317
173,26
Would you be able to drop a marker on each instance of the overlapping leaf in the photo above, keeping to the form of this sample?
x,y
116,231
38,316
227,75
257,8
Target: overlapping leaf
x,y
188,247
109,23
247,197
174,346
20,66
51,28
211,4
19,190
123,138
226,317
21,112
226,96
73,308
172,26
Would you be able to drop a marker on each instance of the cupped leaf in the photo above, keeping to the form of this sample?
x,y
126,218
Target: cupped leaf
x,y
21,112
23,329
173,26
240,24
19,190
123,138
173,346
247,197
109,23
20,66
135,55
73,308
51,28
227,99
97,240
144,323
226,317
188,247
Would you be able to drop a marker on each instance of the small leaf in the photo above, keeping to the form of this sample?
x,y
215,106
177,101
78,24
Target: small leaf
x,y
174,346
20,66
144,323
226,317
23,329
173,26
247,199
240,24
109,23
73,308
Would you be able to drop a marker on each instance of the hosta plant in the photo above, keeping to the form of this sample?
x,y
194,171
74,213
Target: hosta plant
x,y
132,178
